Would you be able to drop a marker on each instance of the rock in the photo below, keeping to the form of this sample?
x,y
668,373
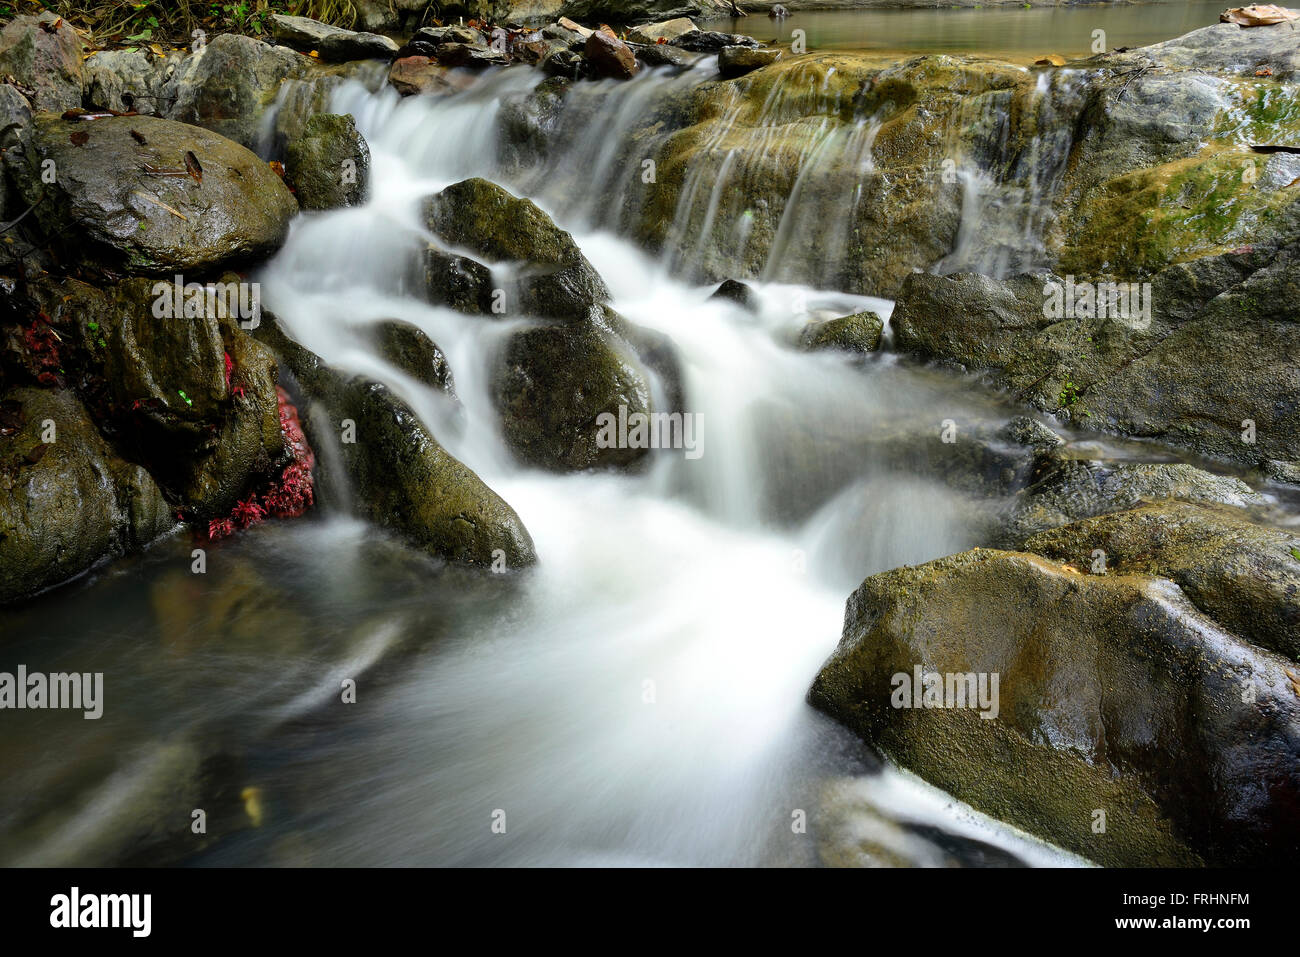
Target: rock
x,y
707,41
437,36
1211,366
68,504
570,26
635,11
161,386
734,61
477,56
859,332
409,349
15,117
229,83
1244,576
44,59
331,43
778,12
1029,432
391,16
554,281
1288,473
1067,490
736,291
664,54
1226,48
610,57
458,282
104,205
665,30
550,385
412,75
126,80
395,474
1115,693
329,164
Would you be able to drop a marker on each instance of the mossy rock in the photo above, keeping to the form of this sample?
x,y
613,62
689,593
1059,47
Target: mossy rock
x,y
859,333
329,163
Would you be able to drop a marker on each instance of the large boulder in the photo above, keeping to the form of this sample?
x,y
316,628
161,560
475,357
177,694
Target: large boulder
x,y
329,163
43,53
67,503
329,42
1127,725
122,194
133,79
393,472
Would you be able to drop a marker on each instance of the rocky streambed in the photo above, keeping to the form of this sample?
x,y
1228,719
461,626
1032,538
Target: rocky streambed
x,y
321,364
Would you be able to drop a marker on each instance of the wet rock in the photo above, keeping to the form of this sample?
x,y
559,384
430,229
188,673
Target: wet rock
x,y
551,384
859,333
1027,431
666,30
473,56
1243,575
1066,490
69,503
227,86
1288,473
192,397
664,54
329,163
1211,365
707,41
409,349
437,36
736,291
331,43
610,57
412,75
458,282
390,16
636,11
44,59
553,278
1116,693
734,61
395,474
105,205
1227,48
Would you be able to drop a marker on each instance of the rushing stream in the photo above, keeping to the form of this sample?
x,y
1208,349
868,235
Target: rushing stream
x,y
638,698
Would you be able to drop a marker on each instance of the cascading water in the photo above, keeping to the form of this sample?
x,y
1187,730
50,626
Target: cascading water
x,y
638,698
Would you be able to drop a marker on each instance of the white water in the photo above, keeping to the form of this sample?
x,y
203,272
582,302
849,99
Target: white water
x,y
643,702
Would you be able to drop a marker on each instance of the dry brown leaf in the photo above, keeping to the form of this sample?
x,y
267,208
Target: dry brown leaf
x,y
193,167
1258,15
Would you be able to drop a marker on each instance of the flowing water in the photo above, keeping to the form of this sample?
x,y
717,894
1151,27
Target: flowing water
x,y
638,698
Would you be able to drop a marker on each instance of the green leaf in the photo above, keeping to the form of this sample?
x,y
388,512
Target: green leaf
x,y
1295,553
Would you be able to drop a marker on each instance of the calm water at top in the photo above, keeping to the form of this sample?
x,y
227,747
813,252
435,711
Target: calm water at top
x,y
1011,31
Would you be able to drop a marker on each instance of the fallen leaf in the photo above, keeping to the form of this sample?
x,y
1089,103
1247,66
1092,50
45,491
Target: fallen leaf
x,y
37,453
157,50
139,138
79,138
1258,15
192,165
1264,72
277,168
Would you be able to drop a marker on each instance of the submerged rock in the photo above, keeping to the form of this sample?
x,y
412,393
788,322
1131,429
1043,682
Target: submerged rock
x,y
1116,696
735,291
329,163
105,204
67,501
